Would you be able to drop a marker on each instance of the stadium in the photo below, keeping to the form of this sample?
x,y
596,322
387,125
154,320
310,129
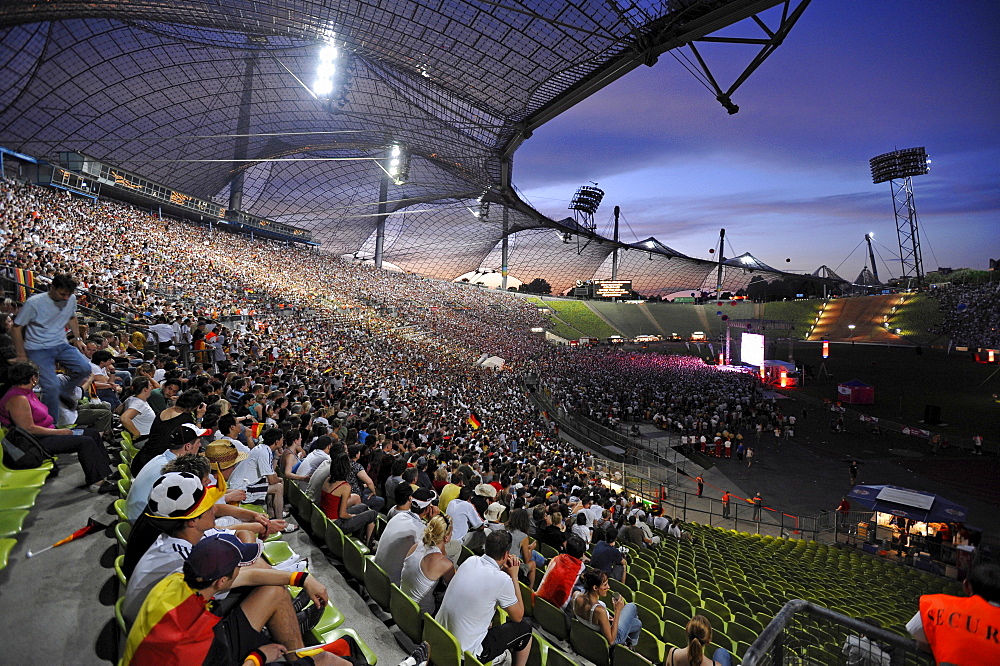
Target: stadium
x,y
262,213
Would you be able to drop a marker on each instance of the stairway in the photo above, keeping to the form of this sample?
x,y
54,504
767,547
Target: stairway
x,y
866,313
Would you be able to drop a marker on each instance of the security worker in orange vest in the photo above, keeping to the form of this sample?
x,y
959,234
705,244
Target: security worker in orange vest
x,y
962,631
701,484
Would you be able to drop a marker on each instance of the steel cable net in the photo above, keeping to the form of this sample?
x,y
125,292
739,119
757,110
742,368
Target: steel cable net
x,y
191,94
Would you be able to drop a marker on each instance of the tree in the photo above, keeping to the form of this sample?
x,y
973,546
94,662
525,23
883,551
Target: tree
x,y
537,286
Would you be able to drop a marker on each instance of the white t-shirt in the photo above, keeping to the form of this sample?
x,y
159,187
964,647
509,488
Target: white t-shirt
x,y
143,421
318,478
312,461
164,557
259,464
468,606
465,518
401,532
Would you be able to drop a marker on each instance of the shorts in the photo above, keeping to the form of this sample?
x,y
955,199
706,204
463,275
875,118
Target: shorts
x,y
235,638
513,636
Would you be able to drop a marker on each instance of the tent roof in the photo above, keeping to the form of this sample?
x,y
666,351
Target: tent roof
x,y
855,383
913,504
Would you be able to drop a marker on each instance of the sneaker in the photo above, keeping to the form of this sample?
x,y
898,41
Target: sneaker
x,y
309,618
419,656
293,565
502,659
301,600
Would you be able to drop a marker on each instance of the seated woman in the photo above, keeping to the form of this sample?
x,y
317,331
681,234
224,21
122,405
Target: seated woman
x,y
699,632
19,406
189,408
137,416
427,565
522,546
340,505
620,628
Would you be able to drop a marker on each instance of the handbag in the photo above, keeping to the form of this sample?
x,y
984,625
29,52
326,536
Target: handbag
x,y
22,450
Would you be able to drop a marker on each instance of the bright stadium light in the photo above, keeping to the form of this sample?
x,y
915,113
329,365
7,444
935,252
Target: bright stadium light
x,y
398,163
326,71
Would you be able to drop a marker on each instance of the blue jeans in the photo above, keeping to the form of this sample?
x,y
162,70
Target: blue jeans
x,y
538,558
629,626
723,656
77,369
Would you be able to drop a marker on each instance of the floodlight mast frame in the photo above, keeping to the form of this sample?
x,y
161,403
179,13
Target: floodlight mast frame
x,y
584,205
898,167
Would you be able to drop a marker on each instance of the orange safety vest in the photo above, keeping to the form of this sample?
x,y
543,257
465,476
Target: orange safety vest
x,y
961,630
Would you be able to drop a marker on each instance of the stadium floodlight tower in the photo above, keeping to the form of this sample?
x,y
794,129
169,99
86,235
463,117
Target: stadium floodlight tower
x,y
584,205
898,167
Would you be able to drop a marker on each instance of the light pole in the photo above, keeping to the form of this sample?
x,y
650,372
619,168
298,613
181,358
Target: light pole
x,y
851,327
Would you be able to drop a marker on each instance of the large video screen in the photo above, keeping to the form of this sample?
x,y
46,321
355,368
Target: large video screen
x,y
752,349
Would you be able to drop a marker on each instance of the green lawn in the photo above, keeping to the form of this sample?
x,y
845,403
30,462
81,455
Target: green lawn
x,y
915,317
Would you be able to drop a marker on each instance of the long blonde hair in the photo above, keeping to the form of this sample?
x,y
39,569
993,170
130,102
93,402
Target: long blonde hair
x,y
699,633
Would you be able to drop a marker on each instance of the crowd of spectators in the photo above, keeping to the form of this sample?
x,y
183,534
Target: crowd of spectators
x,y
227,335
970,314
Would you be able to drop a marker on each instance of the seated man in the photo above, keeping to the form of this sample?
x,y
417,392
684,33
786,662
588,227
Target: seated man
x,y
178,622
185,511
403,532
563,572
480,585
962,630
632,534
183,441
257,476
608,558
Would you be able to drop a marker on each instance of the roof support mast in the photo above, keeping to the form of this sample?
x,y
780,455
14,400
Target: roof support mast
x,y
718,282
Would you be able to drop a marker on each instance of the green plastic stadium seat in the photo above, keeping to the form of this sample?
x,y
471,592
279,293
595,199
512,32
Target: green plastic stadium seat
x,y
18,498
589,644
340,632
377,583
445,650
276,552
12,521
406,613
551,618
6,545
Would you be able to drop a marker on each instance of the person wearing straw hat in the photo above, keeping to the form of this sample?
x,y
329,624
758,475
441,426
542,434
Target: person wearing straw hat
x,y
223,456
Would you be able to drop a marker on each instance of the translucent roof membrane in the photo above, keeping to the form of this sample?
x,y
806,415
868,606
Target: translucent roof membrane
x,y
192,93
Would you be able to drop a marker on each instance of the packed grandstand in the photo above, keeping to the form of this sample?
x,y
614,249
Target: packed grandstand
x,y
326,352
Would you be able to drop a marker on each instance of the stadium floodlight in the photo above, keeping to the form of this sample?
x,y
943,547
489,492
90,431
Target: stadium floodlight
x,y
326,71
398,163
587,200
898,167
899,164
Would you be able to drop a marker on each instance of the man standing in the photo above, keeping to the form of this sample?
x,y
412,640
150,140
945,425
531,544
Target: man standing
x,y
726,499
843,509
701,484
480,585
758,503
854,472
39,334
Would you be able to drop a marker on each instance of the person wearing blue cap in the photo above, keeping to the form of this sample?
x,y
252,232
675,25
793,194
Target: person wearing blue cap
x,y
178,622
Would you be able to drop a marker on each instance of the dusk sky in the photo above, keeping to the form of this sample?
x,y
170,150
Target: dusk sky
x,y
788,176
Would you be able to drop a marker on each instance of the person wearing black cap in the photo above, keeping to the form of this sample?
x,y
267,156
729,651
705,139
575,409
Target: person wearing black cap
x,y
178,624
185,511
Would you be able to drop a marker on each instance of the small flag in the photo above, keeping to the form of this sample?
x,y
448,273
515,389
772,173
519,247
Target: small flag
x,y
474,421
255,430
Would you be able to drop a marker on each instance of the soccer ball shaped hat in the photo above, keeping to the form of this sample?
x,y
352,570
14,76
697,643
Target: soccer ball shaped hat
x,y
180,496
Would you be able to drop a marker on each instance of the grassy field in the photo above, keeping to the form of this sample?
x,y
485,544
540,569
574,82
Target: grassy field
x,y
915,317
